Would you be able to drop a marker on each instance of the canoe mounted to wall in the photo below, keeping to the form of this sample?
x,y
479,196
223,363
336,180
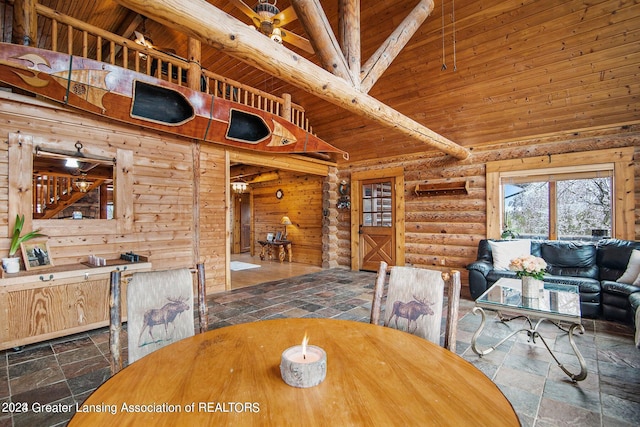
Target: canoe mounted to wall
x,y
142,100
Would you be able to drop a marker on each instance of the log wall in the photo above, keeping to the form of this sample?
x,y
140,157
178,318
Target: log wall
x,y
176,217
443,231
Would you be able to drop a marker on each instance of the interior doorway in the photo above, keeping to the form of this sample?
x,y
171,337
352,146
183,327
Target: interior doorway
x,y
274,187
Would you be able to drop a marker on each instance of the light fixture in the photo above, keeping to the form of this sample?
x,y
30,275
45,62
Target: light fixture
x,y
71,156
71,163
82,184
285,221
239,186
266,11
276,35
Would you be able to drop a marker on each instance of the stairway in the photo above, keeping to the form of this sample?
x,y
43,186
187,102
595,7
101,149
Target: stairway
x,y
53,193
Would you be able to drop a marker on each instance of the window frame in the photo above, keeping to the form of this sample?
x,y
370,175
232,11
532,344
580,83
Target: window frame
x,y
621,159
21,150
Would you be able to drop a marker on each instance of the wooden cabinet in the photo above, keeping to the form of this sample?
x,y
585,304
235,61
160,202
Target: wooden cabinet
x,y
37,306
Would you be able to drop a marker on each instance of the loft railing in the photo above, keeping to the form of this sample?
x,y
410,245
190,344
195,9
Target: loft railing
x,y
62,33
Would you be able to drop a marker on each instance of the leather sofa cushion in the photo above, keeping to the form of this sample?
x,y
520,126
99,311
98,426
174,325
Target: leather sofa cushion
x,y
613,257
570,258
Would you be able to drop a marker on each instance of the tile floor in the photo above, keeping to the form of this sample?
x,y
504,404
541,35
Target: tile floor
x,y
67,370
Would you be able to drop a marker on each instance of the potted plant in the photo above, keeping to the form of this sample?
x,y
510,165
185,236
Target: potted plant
x,y
11,264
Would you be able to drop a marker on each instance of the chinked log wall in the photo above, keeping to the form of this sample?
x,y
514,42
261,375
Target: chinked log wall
x,y
168,216
445,230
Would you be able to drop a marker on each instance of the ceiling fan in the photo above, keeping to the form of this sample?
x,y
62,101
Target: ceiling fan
x,y
269,20
143,39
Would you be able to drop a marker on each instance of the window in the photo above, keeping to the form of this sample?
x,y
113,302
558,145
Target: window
x,y
377,207
563,196
560,206
78,191
119,204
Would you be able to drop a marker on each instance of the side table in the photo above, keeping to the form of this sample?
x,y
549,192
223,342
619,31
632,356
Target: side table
x,y
268,247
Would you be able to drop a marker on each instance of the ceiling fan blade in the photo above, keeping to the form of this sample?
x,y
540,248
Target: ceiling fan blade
x,y
296,41
284,17
142,41
246,10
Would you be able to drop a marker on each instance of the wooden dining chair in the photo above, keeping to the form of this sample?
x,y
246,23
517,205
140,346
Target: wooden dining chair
x,y
414,302
159,311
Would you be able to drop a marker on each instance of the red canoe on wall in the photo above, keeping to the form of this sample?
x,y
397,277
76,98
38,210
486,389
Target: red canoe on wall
x,y
142,100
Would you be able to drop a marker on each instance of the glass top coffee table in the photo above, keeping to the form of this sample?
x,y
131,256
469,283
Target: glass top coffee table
x,y
556,303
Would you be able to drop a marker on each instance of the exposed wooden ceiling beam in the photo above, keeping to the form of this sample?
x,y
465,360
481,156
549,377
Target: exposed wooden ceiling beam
x,y
387,52
324,42
349,31
204,21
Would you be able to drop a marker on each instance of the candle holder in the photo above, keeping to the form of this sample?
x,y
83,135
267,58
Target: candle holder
x,y
303,369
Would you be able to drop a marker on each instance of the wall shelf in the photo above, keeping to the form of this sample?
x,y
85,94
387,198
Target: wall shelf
x,y
443,188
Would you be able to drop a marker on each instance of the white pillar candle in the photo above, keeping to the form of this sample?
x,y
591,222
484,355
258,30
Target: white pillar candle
x,y
303,366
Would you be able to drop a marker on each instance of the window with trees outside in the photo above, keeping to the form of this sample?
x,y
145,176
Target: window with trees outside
x,y
563,196
570,206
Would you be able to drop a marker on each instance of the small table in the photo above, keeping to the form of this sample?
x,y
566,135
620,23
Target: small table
x,y
376,376
557,303
283,247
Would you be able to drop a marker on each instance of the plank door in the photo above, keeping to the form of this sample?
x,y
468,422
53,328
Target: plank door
x,y
245,224
377,223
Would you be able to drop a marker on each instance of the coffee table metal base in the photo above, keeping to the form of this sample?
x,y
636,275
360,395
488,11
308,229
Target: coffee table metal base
x,y
532,332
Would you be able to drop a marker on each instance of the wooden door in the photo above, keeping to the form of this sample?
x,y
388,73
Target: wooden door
x,y
377,223
245,223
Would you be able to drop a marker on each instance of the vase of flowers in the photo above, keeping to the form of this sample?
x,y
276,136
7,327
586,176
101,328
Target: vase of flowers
x,y
530,269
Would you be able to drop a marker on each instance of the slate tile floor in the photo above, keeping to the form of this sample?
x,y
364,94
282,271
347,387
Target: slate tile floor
x,y
67,370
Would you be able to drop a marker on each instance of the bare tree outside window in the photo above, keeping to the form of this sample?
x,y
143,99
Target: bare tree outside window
x,y
582,207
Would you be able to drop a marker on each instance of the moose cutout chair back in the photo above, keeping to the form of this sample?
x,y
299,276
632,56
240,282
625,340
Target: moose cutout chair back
x,y
159,311
414,302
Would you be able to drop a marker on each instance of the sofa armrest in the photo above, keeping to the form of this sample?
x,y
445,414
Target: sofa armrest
x,y
478,271
483,267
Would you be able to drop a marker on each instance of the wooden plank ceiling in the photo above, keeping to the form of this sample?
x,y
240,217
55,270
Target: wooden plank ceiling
x,y
514,68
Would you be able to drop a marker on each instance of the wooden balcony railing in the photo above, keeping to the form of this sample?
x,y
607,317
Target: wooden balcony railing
x,y
62,33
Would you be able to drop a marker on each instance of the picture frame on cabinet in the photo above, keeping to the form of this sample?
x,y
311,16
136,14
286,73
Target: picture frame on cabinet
x,y
36,254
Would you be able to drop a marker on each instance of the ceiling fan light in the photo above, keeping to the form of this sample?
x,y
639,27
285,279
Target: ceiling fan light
x,y
276,35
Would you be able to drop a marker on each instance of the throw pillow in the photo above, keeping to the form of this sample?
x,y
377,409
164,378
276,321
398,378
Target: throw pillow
x,y
503,252
633,268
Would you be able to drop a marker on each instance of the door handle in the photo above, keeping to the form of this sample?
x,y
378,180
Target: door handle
x,y
360,229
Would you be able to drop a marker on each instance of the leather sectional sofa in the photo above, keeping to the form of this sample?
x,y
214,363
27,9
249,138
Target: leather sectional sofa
x,y
593,266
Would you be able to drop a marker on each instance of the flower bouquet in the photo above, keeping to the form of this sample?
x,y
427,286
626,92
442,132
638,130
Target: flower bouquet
x,y
530,269
528,265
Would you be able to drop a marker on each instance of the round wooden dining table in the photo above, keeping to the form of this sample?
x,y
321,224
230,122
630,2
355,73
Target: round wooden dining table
x,y
375,376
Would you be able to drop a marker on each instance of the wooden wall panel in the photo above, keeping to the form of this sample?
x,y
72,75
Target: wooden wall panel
x,y
302,203
444,231
162,186
212,207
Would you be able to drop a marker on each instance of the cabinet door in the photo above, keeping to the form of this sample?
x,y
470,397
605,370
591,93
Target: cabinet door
x,y
41,313
88,303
